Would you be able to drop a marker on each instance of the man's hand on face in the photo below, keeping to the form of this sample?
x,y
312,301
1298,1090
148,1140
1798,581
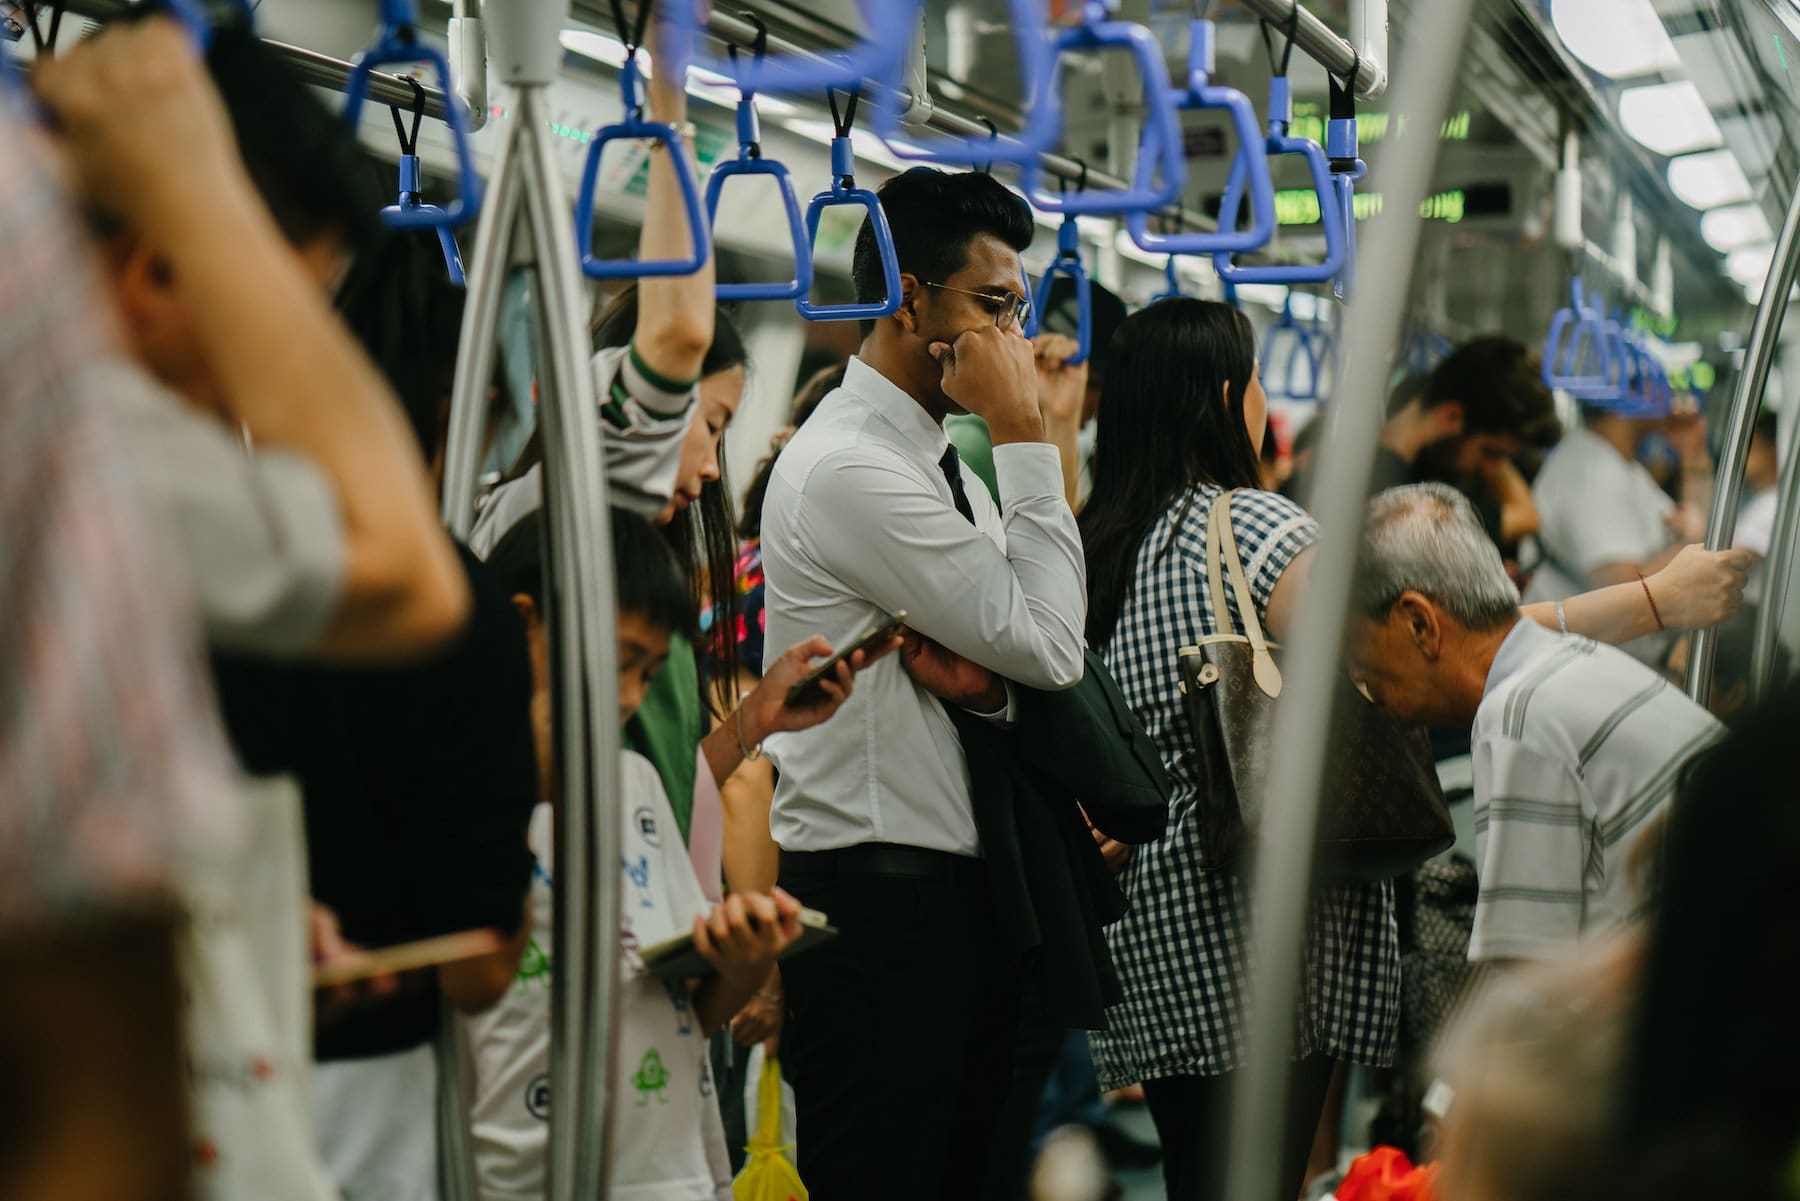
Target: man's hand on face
x,y
990,372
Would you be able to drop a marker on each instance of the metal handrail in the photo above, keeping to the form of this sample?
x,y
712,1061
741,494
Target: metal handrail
x,y
527,193
1282,878
1728,483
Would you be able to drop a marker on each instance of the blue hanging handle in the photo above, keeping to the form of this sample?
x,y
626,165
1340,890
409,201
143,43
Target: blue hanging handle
x,y
1200,94
750,161
1030,38
1161,142
1067,262
785,75
1171,283
411,204
633,127
843,191
397,41
1331,203
1347,170
1302,345
1578,334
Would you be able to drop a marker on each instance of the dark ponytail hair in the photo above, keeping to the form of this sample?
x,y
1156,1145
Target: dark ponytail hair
x,y
1171,416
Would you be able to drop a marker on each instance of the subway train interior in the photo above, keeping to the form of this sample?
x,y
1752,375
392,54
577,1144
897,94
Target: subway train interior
x,y
896,600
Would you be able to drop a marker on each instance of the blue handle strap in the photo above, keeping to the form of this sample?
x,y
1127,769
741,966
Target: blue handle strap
x,y
1162,132
1200,94
1347,168
843,191
397,41
1578,334
747,164
1026,21
750,161
633,127
1302,340
1331,203
1171,283
785,75
1067,262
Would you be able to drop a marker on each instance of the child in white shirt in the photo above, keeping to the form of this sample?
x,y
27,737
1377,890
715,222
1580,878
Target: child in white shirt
x,y
668,1142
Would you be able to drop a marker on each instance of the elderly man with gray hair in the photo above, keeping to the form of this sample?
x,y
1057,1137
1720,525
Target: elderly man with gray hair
x,y
1576,745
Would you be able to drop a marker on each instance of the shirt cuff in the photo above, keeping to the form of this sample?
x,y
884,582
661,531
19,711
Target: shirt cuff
x,y
1027,471
1005,715
658,394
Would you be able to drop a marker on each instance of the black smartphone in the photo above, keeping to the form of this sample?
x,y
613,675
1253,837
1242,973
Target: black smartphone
x,y
808,692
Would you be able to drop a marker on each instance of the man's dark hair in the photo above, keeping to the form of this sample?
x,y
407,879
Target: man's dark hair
x,y
1409,389
934,215
650,581
301,157
1499,385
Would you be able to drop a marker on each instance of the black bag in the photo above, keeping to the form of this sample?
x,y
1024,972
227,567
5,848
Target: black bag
x,y
1383,812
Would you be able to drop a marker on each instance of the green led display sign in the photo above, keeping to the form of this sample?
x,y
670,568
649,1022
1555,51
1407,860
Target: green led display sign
x,y
1374,127
1300,206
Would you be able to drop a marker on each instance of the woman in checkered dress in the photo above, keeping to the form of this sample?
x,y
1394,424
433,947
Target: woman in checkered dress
x,y
1181,418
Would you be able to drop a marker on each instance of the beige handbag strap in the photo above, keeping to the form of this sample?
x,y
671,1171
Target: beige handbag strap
x,y
1222,560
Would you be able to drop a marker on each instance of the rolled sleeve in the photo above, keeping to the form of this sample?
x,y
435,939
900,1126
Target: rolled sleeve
x,y
261,533
643,423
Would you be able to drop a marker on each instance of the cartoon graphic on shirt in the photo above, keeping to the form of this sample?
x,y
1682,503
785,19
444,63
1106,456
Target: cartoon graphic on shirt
x,y
651,1079
639,874
534,964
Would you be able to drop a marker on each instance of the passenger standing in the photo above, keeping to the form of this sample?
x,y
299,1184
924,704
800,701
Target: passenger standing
x,y
114,776
869,512
1605,521
1578,747
1756,520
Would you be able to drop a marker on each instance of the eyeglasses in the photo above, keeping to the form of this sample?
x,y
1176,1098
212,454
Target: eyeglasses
x,y
1006,307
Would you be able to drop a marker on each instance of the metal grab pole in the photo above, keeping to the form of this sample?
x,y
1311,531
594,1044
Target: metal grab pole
x,y
1282,879
575,481
1746,401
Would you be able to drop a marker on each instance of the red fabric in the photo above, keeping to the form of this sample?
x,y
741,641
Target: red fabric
x,y
1385,1174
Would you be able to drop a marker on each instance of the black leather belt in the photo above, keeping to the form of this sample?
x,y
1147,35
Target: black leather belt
x,y
881,859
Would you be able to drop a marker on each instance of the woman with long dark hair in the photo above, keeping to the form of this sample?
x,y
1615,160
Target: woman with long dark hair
x,y
1182,415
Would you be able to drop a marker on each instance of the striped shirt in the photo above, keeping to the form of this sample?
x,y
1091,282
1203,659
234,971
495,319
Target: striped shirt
x,y
1576,748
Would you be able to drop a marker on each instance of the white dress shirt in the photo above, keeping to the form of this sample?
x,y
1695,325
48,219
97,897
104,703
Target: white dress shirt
x,y
858,522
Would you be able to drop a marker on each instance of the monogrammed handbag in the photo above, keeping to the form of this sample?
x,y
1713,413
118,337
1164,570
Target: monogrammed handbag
x,y
1382,813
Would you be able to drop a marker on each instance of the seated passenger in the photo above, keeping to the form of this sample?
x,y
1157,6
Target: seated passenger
x,y
1576,745
668,1139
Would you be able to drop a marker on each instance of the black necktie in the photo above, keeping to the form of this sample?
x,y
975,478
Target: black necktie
x,y
951,466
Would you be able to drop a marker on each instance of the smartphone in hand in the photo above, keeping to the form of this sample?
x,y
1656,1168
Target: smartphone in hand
x,y
884,631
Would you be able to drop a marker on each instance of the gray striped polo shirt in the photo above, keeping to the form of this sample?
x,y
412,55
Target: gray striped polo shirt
x,y
1576,747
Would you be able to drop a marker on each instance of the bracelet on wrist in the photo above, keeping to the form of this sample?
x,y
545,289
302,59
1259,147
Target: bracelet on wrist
x,y
751,753
1654,611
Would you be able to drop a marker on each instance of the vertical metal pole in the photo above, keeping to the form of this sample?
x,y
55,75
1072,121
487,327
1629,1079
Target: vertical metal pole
x,y
1746,400
468,410
476,348
575,474
1282,880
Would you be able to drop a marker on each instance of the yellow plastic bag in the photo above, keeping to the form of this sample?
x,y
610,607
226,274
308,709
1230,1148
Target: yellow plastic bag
x,y
768,1174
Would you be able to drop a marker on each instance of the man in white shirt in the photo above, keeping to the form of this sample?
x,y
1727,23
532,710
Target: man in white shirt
x,y
869,512
1576,745
1603,519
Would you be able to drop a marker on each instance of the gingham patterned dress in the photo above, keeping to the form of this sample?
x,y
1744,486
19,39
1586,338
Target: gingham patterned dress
x,y
1182,949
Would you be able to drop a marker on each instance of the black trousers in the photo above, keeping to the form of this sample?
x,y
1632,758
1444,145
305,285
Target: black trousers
x,y
1035,1053
1192,1116
901,1029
